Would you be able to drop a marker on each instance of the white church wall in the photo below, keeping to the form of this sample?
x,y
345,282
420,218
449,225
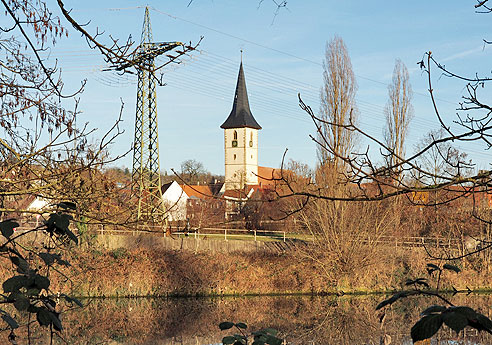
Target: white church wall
x,y
174,199
241,157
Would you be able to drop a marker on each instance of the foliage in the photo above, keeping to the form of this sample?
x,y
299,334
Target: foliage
x,y
28,289
262,337
455,317
433,317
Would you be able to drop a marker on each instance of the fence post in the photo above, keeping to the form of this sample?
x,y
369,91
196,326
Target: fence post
x,y
284,236
255,235
225,234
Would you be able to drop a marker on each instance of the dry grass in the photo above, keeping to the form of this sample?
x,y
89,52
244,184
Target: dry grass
x,y
141,272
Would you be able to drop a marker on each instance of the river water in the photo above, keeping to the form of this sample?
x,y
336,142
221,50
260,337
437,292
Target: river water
x,y
300,320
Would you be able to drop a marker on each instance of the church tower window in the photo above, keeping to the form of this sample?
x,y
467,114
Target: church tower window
x,y
240,122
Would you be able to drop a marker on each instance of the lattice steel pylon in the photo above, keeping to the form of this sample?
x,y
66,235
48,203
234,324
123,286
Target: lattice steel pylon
x,y
146,178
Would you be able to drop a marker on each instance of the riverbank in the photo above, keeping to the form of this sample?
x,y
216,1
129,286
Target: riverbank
x,y
152,272
147,271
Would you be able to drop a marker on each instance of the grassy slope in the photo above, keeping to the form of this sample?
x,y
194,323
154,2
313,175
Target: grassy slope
x,y
161,273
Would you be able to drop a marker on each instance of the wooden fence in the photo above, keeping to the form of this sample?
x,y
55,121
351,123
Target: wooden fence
x,y
259,235
269,235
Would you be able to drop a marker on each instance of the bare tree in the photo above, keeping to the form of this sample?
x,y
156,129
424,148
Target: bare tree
x,y
191,171
398,113
442,162
338,107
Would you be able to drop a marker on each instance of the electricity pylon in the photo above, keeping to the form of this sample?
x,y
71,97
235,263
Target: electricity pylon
x,y
146,178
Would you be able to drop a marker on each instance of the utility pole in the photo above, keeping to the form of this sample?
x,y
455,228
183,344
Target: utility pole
x,y
146,178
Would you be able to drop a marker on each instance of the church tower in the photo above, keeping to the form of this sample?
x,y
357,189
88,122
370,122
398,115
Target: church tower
x,y
240,140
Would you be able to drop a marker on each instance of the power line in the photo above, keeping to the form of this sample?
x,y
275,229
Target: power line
x,y
262,79
274,49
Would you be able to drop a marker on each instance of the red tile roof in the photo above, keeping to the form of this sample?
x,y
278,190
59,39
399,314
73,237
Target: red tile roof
x,y
198,191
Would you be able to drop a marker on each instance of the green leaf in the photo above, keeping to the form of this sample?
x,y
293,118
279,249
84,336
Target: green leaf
x,y
468,312
434,309
418,281
22,265
7,227
33,292
239,337
58,222
51,304
455,321
241,325
72,236
270,331
261,337
258,342
33,309
271,340
41,282
48,258
14,283
434,267
228,340
392,299
10,321
55,319
484,322
67,205
72,300
43,316
426,327
59,260
226,325
21,302
451,268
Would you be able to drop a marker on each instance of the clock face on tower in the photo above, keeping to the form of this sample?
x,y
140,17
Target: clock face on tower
x,y
240,136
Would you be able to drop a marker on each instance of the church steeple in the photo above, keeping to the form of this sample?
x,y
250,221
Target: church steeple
x,y
240,141
240,115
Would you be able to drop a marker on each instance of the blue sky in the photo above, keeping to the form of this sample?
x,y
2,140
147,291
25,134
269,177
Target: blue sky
x,y
282,56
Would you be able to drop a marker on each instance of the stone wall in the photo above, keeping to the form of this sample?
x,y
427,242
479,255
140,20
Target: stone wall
x,y
112,241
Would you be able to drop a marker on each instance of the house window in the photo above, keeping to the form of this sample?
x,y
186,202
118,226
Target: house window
x,y
234,156
251,140
234,142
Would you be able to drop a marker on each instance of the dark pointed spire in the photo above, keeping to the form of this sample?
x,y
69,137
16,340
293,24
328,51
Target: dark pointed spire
x,y
240,115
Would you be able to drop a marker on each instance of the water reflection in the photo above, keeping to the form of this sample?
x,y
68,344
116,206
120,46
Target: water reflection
x,y
301,320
